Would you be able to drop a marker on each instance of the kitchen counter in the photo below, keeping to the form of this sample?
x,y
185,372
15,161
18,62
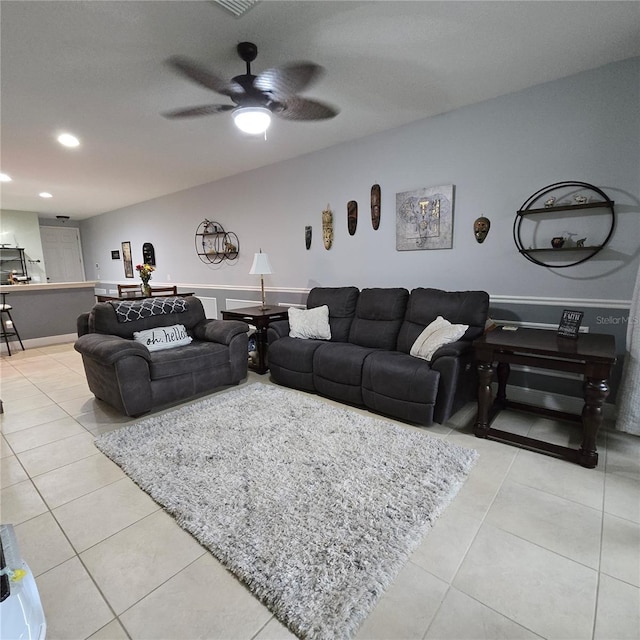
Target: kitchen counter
x,y
46,313
45,286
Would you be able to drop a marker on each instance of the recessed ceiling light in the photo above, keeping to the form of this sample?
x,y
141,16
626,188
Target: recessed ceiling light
x,y
68,140
4,177
45,194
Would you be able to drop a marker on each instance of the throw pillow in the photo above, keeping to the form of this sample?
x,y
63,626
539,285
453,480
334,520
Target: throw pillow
x,y
163,337
310,323
438,333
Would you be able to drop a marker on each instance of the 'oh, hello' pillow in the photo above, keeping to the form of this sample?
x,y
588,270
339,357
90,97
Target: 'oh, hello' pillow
x,y
163,337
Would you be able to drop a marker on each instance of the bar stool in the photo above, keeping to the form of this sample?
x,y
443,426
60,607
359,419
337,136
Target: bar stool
x,y
5,331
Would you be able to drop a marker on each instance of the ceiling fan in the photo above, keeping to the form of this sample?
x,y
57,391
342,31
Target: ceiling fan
x,y
256,98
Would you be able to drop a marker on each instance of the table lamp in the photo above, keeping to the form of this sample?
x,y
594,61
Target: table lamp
x,y
261,266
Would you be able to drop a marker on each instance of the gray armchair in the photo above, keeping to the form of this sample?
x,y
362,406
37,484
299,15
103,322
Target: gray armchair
x,y
128,376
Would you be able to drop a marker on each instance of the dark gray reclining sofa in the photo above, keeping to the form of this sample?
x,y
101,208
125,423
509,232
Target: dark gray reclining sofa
x,y
134,380
367,363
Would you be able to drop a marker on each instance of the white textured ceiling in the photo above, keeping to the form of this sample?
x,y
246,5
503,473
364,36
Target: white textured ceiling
x,y
96,69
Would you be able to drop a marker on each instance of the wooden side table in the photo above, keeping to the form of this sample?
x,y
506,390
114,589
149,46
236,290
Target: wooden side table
x,y
260,319
592,355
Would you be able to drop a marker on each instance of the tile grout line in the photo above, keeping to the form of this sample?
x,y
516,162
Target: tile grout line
x,y
598,578
482,521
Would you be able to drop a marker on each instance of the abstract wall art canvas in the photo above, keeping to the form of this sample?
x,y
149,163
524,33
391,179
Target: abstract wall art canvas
x,y
424,219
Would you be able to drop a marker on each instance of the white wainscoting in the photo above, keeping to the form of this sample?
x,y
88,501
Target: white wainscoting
x,y
237,303
210,306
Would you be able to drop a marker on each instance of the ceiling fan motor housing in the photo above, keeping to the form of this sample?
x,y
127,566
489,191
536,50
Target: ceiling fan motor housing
x,y
247,51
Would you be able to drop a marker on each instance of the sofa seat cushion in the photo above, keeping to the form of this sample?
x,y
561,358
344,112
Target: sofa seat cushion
x,y
400,376
337,371
196,356
295,354
340,362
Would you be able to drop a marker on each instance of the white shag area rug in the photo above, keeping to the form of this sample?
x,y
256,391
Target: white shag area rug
x,y
315,508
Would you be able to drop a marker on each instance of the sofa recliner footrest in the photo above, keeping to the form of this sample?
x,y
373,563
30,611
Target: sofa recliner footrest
x,y
395,383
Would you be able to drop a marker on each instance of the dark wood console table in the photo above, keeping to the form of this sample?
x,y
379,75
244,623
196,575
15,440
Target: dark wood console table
x,y
592,355
260,319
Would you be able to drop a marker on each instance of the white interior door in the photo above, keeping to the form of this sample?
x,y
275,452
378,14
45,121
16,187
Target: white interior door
x,y
62,254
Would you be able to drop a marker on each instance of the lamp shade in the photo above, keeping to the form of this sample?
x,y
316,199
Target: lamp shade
x,y
261,264
254,120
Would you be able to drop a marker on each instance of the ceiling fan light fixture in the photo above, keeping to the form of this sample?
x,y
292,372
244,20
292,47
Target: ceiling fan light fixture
x,y
252,120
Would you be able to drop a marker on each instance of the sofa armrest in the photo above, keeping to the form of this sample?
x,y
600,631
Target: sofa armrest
x,y
108,349
454,349
222,331
82,324
277,329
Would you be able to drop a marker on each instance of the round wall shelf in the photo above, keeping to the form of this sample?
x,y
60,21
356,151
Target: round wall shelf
x,y
214,244
562,204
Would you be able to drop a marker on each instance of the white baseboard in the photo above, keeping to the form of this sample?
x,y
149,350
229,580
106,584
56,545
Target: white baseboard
x,y
34,343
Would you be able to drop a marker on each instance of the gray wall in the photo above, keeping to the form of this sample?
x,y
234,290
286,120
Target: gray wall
x,y
496,153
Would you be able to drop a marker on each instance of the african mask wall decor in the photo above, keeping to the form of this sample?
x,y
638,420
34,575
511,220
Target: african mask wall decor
x,y
327,227
352,216
307,236
375,206
481,228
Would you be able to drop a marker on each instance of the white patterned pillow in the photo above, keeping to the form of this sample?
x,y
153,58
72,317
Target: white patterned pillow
x,y
437,334
163,337
310,323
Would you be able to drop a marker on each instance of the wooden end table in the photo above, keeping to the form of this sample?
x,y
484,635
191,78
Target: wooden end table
x,y
260,319
592,355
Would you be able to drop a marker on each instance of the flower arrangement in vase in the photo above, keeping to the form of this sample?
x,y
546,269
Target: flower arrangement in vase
x,y
145,271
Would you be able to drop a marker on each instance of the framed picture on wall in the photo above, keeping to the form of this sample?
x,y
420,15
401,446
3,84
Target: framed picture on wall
x,y
127,261
424,219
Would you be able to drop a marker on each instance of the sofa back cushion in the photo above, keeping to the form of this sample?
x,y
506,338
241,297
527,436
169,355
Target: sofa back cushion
x,y
342,306
103,319
458,307
379,315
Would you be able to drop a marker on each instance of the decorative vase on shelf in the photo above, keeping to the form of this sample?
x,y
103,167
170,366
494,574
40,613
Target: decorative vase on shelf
x,y
146,288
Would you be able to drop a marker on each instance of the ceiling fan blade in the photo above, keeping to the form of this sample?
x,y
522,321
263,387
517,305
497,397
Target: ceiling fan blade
x,y
205,110
283,82
297,108
206,78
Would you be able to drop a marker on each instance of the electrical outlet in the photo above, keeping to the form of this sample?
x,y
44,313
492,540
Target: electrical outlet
x,y
168,277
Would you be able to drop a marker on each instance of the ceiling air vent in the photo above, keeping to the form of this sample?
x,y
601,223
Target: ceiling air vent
x,y
237,7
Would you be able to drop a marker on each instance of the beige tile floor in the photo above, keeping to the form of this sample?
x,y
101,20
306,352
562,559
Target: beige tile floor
x,y
532,547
